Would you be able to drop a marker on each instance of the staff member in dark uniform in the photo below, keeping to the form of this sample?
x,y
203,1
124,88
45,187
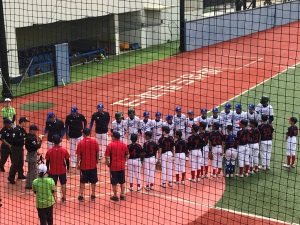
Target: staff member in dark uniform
x,y
75,123
102,119
17,151
32,144
6,137
53,126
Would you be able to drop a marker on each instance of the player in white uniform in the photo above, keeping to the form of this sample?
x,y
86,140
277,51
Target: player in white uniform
x,y
132,124
179,121
203,118
226,116
169,123
144,126
238,115
119,125
263,108
189,122
215,118
252,115
157,124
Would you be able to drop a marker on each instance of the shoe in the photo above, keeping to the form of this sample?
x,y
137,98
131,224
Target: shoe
x,y
73,166
93,197
227,175
28,187
268,167
163,185
204,176
100,157
80,198
130,189
192,180
151,187
219,175
182,182
246,175
251,172
176,182
139,188
262,167
22,177
255,171
213,175
2,169
122,197
286,166
11,181
187,159
147,188
240,175
232,175
63,199
170,184
293,166
114,198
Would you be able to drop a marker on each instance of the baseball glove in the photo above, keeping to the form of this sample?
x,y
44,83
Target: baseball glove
x,y
210,155
158,165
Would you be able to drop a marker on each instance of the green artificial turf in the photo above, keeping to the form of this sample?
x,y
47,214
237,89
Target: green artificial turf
x,y
274,193
37,106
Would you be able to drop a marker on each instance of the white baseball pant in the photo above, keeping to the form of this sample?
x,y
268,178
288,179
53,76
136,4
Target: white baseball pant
x,y
73,144
217,156
253,154
243,155
149,170
179,163
205,156
166,166
122,138
142,139
102,142
265,152
196,159
231,155
291,145
134,170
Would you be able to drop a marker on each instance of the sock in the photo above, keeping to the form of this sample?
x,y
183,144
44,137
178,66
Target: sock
x,y
183,177
246,168
202,169
251,168
148,185
198,173
151,185
193,175
214,171
256,167
131,184
138,185
288,159
219,170
206,169
177,177
293,159
241,170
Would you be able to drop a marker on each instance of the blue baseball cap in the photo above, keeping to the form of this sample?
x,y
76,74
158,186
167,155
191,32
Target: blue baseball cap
x,y
178,109
100,106
238,106
191,112
50,115
158,114
146,114
169,117
7,121
203,110
74,109
215,110
227,105
251,107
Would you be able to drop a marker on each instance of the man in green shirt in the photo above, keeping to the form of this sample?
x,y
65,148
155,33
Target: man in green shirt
x,y
8,111
44,188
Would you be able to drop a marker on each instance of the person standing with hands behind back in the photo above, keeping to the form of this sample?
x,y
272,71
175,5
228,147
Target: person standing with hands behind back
x,y
32,144
44,189
6,136
291,143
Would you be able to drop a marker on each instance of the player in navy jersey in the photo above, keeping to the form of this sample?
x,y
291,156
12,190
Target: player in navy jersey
x,y
166,154
150,149
180,153
266,130
253,145
134,162
215,144
230,151
243,138
194,146
205,148
291,142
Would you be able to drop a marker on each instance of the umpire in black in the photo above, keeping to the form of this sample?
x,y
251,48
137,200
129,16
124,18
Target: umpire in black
x,y
17,151
6,136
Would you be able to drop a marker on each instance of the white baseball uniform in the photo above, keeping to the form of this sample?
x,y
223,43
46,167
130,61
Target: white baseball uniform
x,y
252,116
188,124
132,127
144,126
200,119
179,122
236,118
226,118
171,126
157,130
268,110
119,127
213,119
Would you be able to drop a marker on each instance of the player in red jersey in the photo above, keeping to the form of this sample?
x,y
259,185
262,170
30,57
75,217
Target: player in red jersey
x,y
253,146
180,153
291,143
204,136
215,144
194,146
243,138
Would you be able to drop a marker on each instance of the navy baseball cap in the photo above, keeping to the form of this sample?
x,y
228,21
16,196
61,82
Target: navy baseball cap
x,y
238,106
146,114
251,107
178,109
227,105
23,119
116,135
293,119
203,110
158,114
215,110
7,121
191,112
33,127
169,117
86,131
50,115
74,109
100,106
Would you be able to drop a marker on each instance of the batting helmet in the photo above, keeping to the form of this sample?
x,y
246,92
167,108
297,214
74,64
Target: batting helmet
x,y
158,114
148,133
133,137
215,110
178,109
146,114
100,106
227,105
203,124
191,112
238,106
251,107
131,111
56,139
169,117
119,115
166,129
264,100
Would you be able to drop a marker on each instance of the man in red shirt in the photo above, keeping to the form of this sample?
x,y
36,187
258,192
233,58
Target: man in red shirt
x,y
57,159
116,156
88,156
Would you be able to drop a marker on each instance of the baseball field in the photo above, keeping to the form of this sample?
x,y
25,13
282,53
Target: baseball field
x,y
238,71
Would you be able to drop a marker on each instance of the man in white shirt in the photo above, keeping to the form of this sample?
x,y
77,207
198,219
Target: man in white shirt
x,y
169,123
238,115
132,124
203,118
189,122
144,126
179,121
263,108
252,115
119,125
157,125
226,116
215,118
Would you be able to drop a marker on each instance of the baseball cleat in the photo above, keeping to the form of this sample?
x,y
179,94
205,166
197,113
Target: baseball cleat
x,y
246,174
251,172
219,175
227,175
187,159
139,188
240,175
213,175
170,184
255,171
204,176
293,166
268,167
286,166
192,180
182,182
232,175
163,185
176,182
151,187
262,167
130,189
147,188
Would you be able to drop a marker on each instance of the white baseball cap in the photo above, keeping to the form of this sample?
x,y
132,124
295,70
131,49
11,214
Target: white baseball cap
x,y
7,100
42,168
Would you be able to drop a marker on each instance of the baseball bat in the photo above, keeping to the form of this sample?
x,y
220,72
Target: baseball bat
x,y
63,82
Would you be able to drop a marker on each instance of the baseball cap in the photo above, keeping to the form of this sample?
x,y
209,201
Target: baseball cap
x,y
50,115
33,127
42,168
100,106
227,105
116,135
191,112
293,119
74,109
251,107
7,121
7,100
203,110
215,110
178,109
238,106
146,114
169,117
86,131
243,122
23,119
195,127
158,114
148,133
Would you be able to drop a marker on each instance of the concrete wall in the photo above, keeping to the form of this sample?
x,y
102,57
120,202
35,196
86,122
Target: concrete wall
x,y
212,30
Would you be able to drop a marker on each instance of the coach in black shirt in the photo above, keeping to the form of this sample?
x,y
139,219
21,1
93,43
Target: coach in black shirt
x,y
53,127
75,123
17,151
102,119
6,133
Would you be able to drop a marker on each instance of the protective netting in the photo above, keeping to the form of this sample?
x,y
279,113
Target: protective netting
x,y
149,112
